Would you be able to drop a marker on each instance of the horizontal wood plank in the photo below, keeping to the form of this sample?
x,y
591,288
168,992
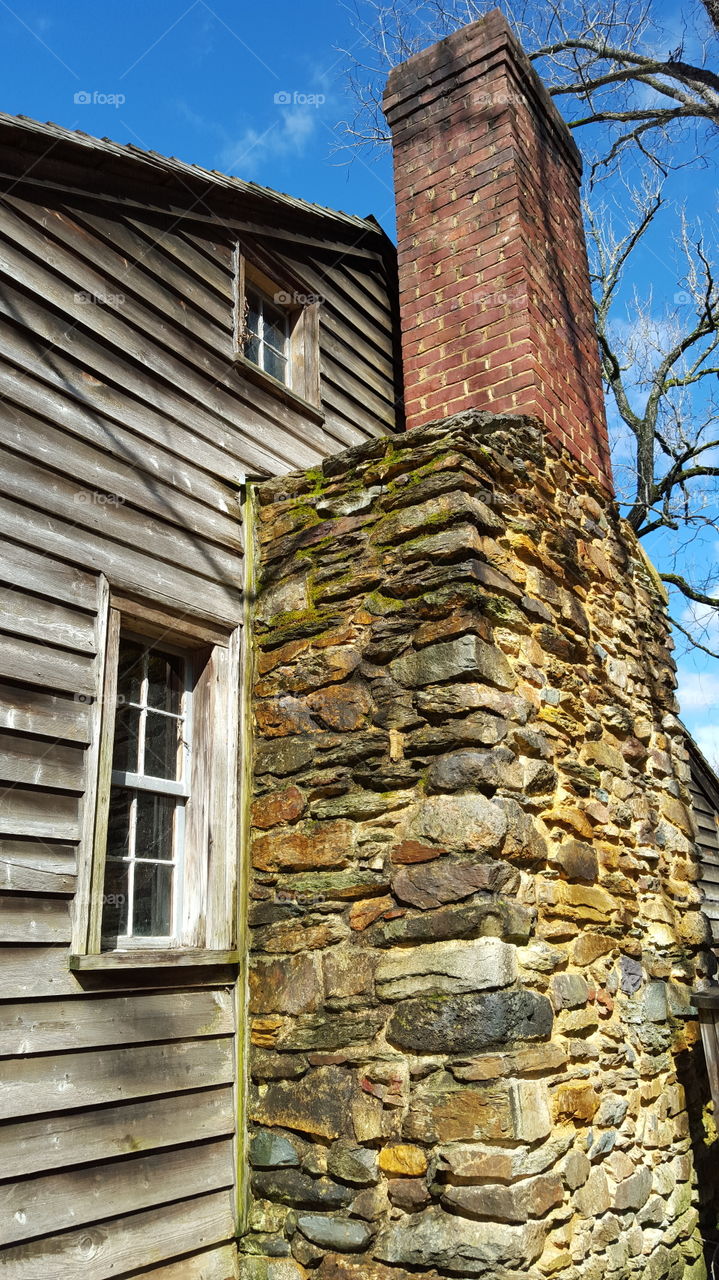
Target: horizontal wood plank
x,y
35,762
46,1026
45,714
25,919
57,1201
130,568
41,815
22,614
211,1264
44,665
61,1142
23,878
125,1244
65,1081
32,571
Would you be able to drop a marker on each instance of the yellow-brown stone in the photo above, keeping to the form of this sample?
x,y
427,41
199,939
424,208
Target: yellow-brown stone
x,y
403,1160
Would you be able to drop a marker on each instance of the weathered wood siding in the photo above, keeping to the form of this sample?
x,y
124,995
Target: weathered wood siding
x,y
125,431
705,803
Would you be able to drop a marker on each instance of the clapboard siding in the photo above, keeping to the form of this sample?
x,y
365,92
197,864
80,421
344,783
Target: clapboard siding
x,y
69,1081
76,1138
127,429
704,787
125,1244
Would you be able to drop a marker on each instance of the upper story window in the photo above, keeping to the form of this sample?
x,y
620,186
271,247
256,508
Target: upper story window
x,y
268,336
150,788
277,333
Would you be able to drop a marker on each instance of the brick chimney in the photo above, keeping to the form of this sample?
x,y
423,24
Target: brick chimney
x,y
495,296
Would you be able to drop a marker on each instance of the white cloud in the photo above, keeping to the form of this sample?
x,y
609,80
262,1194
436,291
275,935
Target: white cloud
x,y
288,135
707,739
698,691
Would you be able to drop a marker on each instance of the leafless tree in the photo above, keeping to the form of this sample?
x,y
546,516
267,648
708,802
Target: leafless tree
x,y
641,108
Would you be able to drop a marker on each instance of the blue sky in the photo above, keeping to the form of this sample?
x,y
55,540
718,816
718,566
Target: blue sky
x,y
258,91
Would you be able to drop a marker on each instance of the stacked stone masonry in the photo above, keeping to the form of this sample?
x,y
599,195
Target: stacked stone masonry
x,y
473,904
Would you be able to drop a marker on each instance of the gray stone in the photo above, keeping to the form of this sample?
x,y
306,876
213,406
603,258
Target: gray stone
x,y
353,1164
524,844
457,1245
576,1169
469,769
465,656
282,756
485,917
468,1023
612,1110
459,822
632,975
334,1233
655,1002
605,1143
292,1187
634,1192
569,991
272,1151
531,1198
431,885
474,965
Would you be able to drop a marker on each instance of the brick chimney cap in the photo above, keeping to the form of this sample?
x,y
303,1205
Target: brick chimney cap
x,y
462,53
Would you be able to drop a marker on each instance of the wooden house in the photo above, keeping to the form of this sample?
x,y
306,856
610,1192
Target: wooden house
x,y
166,332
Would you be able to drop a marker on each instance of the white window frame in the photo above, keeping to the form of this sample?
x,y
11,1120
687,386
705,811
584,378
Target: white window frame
x,y
205,920
301,307
286,354
179,789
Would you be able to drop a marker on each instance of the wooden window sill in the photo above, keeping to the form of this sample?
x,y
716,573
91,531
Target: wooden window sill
x,y
278,389
158,959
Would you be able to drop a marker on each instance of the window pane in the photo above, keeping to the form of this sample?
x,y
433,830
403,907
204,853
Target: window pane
x,y
252,320
161,738
153,900
252,350
275,330
153,833
129,671
127,725
276,365
118,823
115,900
165,674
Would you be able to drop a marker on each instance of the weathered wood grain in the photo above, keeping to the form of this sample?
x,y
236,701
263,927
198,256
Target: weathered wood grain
x,y
66,1081
25,919
126,1243
38,763
44,714
64,1141
51,668
47,1026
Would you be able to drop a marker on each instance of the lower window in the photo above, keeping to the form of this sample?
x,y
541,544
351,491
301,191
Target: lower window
x,y
162,874
150,789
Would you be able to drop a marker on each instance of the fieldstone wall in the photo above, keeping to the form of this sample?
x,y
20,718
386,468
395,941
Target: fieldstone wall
x,y
475,922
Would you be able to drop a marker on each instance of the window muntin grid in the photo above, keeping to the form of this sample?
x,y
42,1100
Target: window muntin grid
x,y
150,786
268,339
